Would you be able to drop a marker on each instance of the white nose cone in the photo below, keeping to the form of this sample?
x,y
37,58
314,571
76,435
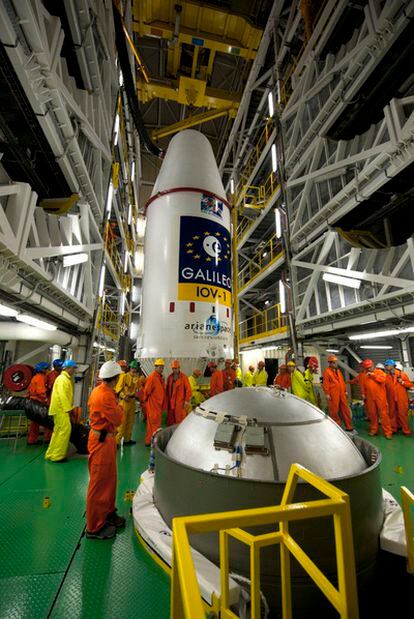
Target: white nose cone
x,y
187,296
189,162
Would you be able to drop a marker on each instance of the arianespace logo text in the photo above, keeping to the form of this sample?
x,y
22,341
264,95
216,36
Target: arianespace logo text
x,y
212,326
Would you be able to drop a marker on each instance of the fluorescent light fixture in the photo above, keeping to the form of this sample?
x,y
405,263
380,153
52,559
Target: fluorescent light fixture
x,y
270,347
129,214
116,129
274,158
122,304
375,334
332,350
282,297
72,259
264,254
231,186
139,260
121,79
271,106
342,281
267,302
278,223
101,281
9,312
377,347
35,322
126,261
133,171
279,98
109,199
141,225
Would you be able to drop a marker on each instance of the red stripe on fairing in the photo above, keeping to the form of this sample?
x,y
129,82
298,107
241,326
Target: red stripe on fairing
x,y
187,189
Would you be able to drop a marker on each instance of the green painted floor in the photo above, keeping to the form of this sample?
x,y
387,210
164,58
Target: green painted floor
x,y
49,569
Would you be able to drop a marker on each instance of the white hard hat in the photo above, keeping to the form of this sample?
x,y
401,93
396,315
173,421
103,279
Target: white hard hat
x,y
110,369
380,366
399,366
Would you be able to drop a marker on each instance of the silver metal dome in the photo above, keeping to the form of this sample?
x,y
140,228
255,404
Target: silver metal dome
x,y
273,428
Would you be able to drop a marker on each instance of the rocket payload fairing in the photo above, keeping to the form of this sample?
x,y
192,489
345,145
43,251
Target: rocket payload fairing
x,y
186,290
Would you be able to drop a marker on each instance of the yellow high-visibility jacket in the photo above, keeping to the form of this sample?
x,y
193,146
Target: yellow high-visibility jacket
x,y
196,395
248,379
311,395
62,395
260,378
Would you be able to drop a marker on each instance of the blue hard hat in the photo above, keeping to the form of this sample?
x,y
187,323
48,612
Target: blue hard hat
x,y
42,366
390,362
58,363
70,363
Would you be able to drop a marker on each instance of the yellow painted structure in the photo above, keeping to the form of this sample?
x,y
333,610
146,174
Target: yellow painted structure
x,y
407,504
185,592
59,206
266,256
268,323
192,121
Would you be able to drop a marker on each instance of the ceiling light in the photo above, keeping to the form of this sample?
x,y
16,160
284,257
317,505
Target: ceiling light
x,y
267,302
282,297
116,129
132,171
129,214
264,254
278,223
231,186
72,259
279,98
342,281
121,79
332,350
139,260
374,334
126,261
141,225
9,312
35,322
274,158
122,304
377,347
271,106
109,199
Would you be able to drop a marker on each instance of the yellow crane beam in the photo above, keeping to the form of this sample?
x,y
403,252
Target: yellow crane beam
x,y
192,121
188,92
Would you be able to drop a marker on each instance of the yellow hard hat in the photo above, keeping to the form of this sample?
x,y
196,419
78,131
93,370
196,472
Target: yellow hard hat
x,y
291,363
159,362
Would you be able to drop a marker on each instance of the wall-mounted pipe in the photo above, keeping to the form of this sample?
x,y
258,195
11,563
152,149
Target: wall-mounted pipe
x,y
10,331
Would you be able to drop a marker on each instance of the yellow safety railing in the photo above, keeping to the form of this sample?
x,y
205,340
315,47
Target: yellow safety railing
x,y
407,503
256,197
186,599
256,151
112,249
271,251
108,321
263,324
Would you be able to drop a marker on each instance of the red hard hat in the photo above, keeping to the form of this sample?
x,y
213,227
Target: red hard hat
x,y
312,361
332,358
122,363
211,364
367,363
283,366
175,365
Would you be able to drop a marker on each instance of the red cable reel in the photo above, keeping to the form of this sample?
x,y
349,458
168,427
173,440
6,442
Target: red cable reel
x,y
17,377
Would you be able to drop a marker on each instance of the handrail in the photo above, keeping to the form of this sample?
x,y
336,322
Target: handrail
x,y
263,324
186,599
108,321
407,502
271,251
255,154
256,197
112,249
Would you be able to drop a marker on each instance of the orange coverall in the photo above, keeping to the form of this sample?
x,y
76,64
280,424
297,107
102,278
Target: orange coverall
x,y
360,380
155,399
38,391
105,414
376,400
216,383
334,386
178,393
398,400
50,381
140,394
283,380
229,377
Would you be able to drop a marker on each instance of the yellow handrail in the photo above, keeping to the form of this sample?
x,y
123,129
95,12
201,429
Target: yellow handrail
x,y
263,324
186,600
112,249
260,261
108,321
255,197
407,502
256,151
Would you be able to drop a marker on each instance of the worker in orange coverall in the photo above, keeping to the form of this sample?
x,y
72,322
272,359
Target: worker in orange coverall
x,y
282,378
397,385
335,391
105,415
376,399
229,375
155,399
38,392
52,375
216,380
178,395
360,380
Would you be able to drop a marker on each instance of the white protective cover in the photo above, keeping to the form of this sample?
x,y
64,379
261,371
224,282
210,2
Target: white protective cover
x,y
392,537
187,258
155,532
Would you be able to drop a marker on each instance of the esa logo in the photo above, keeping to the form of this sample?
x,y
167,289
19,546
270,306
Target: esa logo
x,y
211,206
211,326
